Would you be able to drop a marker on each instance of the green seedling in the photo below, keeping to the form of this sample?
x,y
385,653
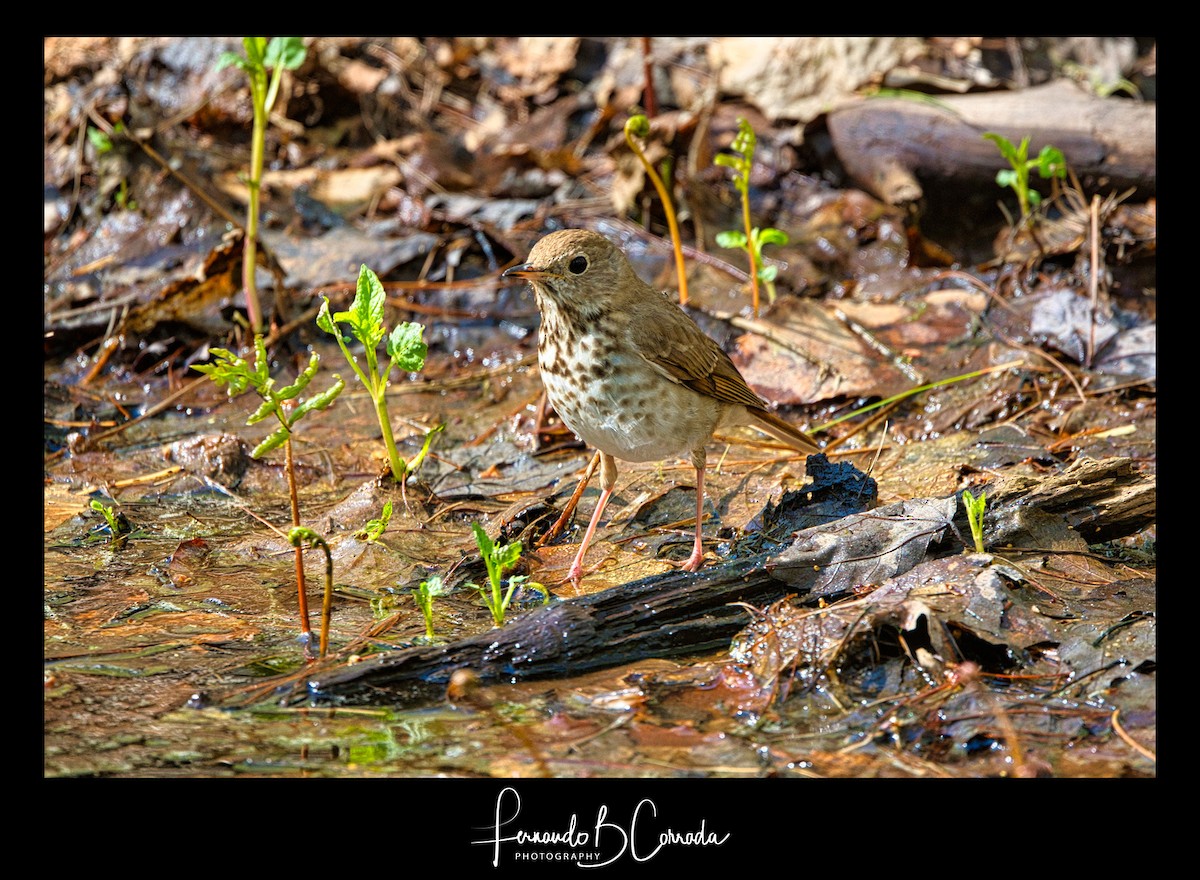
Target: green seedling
x,y
383,604
752,239
109,513
423,595
237,376
298,537
376,527
1049,163
639,127
264,64
99,140
116,523
975,508
499,559
104,145
1097,84
404,348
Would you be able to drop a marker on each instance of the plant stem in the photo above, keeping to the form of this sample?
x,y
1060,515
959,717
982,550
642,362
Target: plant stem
x,y
385,425
377,386
305,627
668,209
298,536
327,601
750,247
250,255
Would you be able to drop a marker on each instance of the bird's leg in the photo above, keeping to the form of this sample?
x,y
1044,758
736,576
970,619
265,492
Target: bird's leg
x,y
697,558
608,479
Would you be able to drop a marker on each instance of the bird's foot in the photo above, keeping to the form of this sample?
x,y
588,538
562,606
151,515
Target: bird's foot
x,y
694,561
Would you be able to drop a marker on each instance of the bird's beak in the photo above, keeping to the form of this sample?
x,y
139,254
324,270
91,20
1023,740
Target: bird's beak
x,y
527,271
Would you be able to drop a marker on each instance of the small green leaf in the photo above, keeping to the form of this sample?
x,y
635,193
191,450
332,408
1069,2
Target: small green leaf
x,y
406,348
262,364
975,508
731,239
99,139
1052,162
1014,155
290,391
482,540
376,527
768,273
727,160
273,441
433,586
317,401
772,236
325,320
287,52
508,555
366,311
227,369
1007,177
230,58
268,407
744,141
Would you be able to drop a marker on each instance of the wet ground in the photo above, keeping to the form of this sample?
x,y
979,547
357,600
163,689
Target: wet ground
x,y
172,650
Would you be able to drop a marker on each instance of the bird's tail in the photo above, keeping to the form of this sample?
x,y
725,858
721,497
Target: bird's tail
x,y
772,424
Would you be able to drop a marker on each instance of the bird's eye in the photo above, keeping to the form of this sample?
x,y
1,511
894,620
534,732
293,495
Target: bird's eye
x,y
578,265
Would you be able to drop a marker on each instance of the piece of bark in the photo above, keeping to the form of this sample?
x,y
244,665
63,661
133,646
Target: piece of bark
x,y
679,614
888,144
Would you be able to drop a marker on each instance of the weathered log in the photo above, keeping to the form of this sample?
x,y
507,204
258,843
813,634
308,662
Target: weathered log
x,y
680,614
888,144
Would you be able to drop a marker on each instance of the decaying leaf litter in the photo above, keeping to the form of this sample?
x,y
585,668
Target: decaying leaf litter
x,y
438,163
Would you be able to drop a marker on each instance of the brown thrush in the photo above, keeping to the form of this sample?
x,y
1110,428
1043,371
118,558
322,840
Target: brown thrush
x,y
628,371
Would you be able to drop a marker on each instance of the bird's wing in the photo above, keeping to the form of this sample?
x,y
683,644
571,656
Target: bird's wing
x,y
685,354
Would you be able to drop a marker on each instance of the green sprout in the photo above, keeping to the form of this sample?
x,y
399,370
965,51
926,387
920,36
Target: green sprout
x,y
104,145
1050,163
639,127
499,559
276,56
99,140
753,239
423,595
298,536
376,527
404,348
109,513
975,508
237,375
116,523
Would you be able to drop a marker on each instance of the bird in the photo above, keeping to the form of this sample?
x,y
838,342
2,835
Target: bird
x,y
629,372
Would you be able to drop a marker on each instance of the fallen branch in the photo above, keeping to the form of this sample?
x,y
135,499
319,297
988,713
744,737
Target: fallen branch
x,y
679,614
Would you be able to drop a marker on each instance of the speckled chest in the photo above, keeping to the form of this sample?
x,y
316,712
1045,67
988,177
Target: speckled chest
x,y
611,397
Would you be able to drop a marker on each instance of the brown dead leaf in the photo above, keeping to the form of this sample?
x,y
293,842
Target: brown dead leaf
x,y
805,355
536,61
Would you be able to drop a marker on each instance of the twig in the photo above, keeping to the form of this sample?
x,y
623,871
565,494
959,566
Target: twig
x,y
1093,277
1134,744
875,344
